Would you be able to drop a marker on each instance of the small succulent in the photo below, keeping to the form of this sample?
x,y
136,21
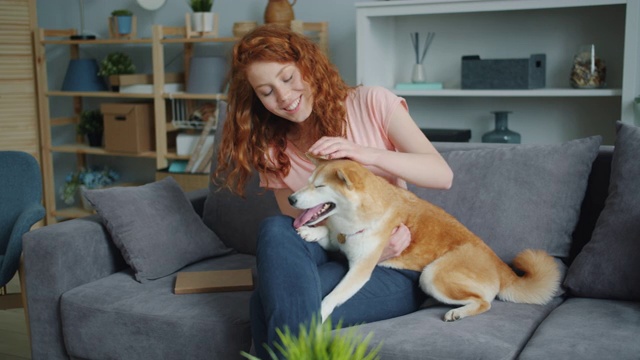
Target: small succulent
x,y
121,12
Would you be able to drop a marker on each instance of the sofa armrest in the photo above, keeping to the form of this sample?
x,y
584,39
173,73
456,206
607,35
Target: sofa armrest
x,y
58,258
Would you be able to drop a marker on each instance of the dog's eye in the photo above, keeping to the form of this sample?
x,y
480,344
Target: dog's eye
x,y
319,186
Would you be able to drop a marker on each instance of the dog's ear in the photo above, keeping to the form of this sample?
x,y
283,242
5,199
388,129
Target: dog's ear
x,y
316,160
344,177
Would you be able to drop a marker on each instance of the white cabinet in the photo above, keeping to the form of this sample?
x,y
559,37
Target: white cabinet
x,y
506,29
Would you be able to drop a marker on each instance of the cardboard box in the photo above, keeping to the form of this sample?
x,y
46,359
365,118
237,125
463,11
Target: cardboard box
x,y
187,181
128,127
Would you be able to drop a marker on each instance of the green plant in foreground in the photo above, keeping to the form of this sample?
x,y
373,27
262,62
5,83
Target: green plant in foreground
x,y
317,342
201,5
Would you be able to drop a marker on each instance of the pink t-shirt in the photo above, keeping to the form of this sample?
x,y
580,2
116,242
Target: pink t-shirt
x,y
369,111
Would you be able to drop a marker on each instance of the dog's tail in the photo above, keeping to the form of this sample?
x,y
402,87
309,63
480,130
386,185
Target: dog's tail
x,y
539,283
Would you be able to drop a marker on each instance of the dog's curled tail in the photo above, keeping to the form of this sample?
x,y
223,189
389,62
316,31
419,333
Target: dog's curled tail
x,y
539,283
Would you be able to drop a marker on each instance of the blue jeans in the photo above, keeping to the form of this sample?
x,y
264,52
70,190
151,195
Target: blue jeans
x,y
294,276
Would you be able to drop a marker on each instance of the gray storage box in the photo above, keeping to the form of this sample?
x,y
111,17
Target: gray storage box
x,y
504,73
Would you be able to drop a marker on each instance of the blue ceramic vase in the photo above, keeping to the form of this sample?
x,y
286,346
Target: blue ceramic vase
x,y
501,134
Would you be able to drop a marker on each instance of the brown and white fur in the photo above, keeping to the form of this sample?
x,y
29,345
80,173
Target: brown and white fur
x,y
458,268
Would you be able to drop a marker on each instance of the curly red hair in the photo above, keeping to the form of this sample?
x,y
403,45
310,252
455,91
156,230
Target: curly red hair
x,y
254,138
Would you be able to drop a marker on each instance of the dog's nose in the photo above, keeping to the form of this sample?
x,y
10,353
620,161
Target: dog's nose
x,y
292,200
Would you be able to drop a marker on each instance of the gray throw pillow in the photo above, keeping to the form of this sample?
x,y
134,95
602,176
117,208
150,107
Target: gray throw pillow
x,y
608,266
519,197
155,227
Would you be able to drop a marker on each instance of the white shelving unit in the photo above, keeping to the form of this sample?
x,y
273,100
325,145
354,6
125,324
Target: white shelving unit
x,y
496,29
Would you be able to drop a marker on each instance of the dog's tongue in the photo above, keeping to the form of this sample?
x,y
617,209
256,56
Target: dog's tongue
x,y
306,216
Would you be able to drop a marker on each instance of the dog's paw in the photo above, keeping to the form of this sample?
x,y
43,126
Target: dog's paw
x,y
326,310
312,234
452,315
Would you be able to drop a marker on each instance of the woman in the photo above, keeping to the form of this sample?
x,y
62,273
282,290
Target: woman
x,y
286,99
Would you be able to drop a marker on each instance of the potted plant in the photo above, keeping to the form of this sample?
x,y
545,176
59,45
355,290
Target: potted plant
x,y
318,342
116,63
202,16
93,178
92,125
123,20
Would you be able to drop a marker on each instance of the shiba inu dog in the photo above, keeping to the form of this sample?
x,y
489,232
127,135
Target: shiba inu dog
x,y
361,210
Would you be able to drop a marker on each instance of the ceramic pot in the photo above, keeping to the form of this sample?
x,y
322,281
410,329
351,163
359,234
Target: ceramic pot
x,y
501,133
279,12
202,21
124,24
95,139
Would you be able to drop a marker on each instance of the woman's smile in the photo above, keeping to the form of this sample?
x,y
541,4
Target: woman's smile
x,y
294,105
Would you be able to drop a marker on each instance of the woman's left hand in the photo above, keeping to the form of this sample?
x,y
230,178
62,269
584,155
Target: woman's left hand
x,y
338,148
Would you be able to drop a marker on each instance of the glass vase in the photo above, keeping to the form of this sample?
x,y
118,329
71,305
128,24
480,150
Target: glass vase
x,y
588,70
501,133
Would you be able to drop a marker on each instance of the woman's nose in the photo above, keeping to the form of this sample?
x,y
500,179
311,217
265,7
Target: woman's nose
x,y
283,95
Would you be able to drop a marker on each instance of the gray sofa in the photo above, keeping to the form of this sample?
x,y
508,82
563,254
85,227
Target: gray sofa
x,y
85,303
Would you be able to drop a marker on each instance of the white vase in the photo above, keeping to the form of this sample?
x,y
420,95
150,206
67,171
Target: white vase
x,y
202,21
417,74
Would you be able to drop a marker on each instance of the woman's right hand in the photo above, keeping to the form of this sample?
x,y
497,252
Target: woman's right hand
x,y
399,241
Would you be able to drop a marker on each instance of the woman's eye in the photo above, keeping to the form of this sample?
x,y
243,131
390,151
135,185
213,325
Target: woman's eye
x,y
289,79
319,186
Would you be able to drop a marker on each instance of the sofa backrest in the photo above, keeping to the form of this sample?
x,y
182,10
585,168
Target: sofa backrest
x,y
236,220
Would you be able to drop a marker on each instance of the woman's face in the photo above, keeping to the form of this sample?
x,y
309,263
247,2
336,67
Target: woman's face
x,y
280,88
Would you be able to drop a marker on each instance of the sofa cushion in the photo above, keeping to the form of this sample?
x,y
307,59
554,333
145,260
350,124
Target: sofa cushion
x,y
583,329
519,197
499,333
606,267
118,318
155,227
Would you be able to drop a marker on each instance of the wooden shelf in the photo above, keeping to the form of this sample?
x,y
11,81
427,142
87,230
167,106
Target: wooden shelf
x,y
188,96
164,130
99,94
96,42
85,149
173,156
199,40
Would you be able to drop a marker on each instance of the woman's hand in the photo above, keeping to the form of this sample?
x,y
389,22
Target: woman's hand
x,y
400,240
337,148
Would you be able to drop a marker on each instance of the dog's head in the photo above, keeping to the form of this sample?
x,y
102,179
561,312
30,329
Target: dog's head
x,y
334,188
